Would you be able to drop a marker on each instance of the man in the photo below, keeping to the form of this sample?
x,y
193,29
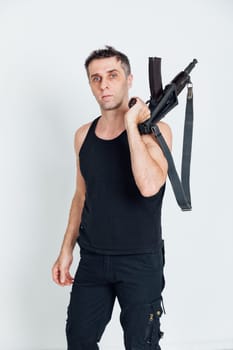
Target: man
x,y
115,216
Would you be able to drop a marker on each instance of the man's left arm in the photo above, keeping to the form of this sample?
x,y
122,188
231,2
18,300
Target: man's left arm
x,y
148,163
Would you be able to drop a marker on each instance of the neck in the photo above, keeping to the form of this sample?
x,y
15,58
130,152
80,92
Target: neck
x,y
113,120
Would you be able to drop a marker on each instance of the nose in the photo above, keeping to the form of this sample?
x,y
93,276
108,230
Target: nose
x,y
104,84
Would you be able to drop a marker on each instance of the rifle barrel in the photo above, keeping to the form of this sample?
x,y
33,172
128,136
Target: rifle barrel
x,y
190,66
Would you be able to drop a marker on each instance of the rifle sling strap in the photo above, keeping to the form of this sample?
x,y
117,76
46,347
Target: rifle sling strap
x,y
181,187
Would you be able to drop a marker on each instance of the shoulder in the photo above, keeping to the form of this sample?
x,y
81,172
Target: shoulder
x,y
80,136
165,131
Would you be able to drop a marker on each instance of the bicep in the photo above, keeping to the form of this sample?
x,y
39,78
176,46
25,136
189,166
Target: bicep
x,y
80,182
78,141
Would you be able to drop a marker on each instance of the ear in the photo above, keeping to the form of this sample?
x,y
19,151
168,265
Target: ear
x,y
130,80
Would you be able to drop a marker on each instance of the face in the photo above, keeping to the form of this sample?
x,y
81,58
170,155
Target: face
x,y
109,83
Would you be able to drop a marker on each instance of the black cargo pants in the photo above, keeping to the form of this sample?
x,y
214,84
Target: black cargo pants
x,y
136,280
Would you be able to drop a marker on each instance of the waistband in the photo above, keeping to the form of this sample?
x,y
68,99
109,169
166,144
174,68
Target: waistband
x,y
102,252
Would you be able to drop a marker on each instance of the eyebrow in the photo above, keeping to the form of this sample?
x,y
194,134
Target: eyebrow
x,y
109,71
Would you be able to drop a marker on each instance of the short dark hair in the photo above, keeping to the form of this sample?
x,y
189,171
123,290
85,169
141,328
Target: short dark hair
x,y
109,51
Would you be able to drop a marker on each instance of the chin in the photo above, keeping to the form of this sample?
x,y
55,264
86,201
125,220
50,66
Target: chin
x,y
110,107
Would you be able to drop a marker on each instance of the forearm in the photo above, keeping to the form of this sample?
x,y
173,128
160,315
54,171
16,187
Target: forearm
x,y
147,173
72,230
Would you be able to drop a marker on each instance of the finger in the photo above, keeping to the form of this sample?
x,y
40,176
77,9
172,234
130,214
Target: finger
x,y
65,276
55,275
68,283
62,276
69,278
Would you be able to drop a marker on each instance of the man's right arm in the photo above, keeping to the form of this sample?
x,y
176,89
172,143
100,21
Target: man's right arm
x,y
60,271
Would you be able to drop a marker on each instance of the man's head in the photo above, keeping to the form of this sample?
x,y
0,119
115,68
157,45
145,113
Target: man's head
x,y
109,51
109,77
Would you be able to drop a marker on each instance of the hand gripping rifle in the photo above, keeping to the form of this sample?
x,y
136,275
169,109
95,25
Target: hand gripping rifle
x,y
160,103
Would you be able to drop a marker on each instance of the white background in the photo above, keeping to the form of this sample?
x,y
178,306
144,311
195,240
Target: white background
x,y
45,97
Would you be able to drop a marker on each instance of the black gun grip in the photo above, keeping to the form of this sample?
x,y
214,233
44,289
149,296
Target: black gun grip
x,y
132,102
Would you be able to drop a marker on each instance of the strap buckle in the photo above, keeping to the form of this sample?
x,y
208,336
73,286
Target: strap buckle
x,y
190,90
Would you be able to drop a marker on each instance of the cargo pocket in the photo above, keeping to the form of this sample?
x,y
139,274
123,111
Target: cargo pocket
x,y
141,325
152,327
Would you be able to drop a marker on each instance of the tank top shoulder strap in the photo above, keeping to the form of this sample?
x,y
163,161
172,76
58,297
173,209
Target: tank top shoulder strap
x,y
90,134
91,129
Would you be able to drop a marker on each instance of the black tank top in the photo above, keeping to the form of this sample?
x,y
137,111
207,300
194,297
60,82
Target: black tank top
x,y
116,218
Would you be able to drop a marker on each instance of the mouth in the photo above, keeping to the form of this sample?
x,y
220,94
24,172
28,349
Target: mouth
x,y
106,97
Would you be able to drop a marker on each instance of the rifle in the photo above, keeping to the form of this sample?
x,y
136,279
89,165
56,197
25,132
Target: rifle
x,y
160,103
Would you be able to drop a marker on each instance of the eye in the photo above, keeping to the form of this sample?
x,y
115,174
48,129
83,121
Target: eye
x,y
113,75
96,79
